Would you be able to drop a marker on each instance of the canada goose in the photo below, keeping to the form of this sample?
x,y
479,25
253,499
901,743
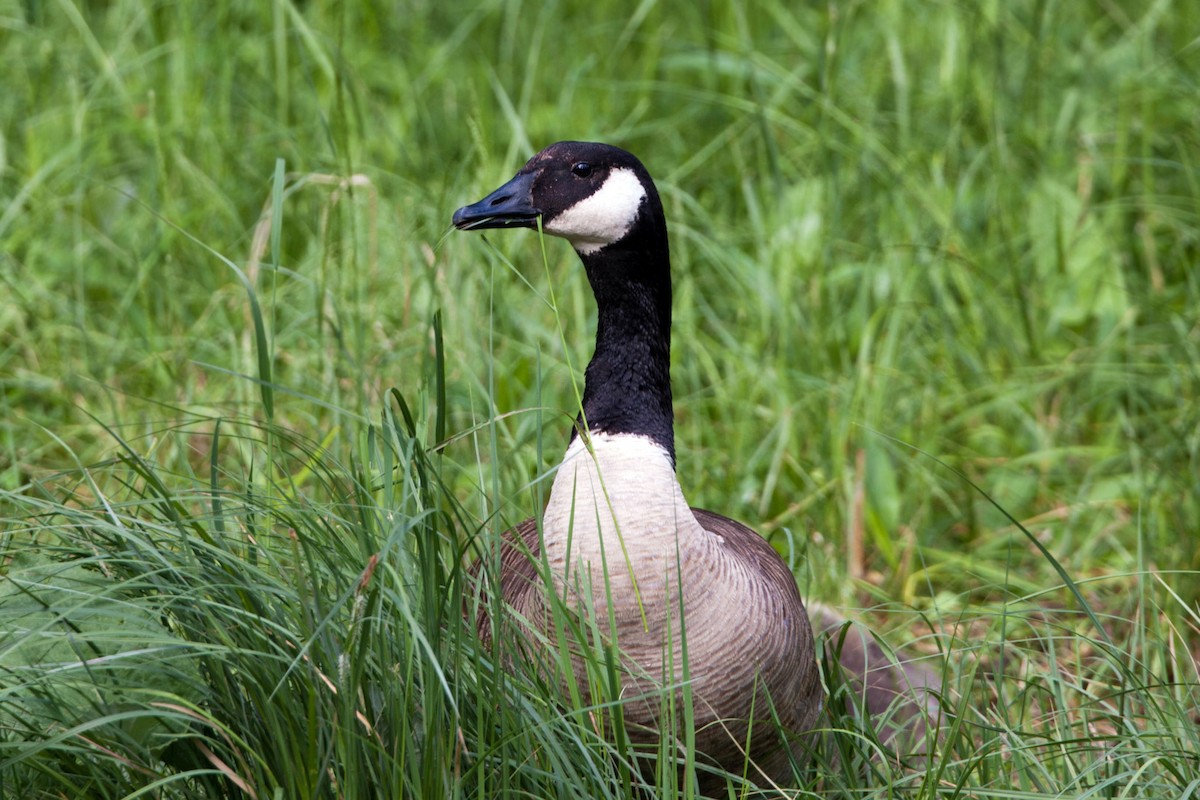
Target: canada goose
x,y
616,528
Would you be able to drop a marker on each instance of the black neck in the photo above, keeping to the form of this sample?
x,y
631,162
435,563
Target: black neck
x,y
627,387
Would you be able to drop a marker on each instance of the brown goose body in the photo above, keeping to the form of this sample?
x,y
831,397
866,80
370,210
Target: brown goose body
x,y
750,651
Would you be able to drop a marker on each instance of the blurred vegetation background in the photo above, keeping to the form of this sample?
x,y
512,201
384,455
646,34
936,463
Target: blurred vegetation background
x,y
913,242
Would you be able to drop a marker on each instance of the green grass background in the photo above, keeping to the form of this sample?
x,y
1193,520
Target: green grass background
x,y
936,292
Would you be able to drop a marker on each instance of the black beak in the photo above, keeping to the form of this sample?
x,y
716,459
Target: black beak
x,y
510,206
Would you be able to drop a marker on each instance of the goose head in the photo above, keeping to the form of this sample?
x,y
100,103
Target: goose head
x,y
593,195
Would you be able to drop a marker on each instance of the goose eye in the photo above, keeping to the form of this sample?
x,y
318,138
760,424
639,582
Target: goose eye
x,y
582,168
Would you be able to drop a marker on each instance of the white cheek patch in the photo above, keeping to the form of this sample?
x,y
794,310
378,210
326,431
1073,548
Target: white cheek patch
x,y
603,217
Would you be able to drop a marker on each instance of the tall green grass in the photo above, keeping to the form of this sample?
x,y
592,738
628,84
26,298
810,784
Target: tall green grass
x,y
259,408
